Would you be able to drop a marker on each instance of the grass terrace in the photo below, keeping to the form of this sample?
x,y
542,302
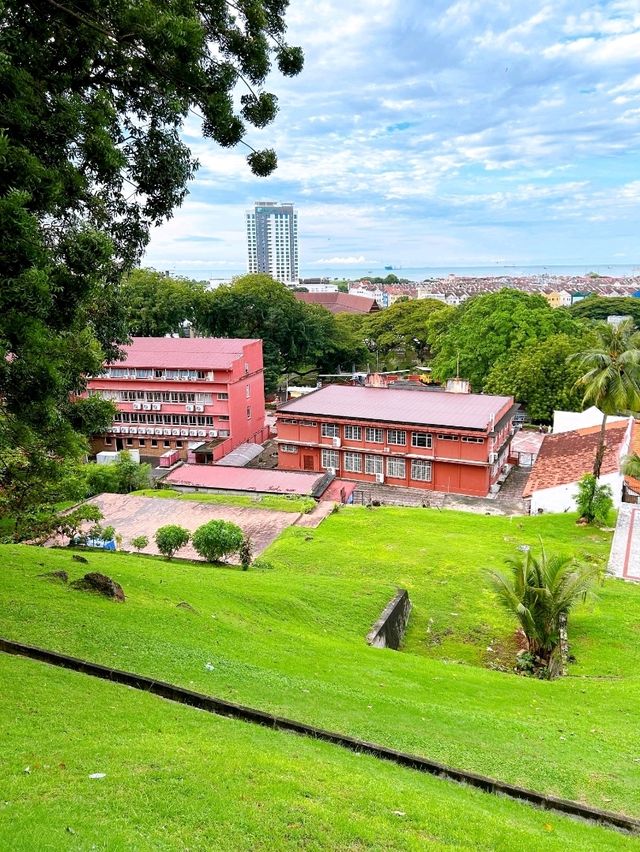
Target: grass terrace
x,y
291,640
177,778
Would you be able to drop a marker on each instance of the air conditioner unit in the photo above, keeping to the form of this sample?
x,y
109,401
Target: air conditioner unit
x,y
166,431
146,406
380,477
386,450
158,431
184,433
115,429
193,433
175,431
336,442
125,430
157,406
493,458
331,470
213,433
133,430
200,408
137,406
202,433
189,407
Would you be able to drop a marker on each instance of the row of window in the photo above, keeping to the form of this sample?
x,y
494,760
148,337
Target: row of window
x,y
167,419
374,435
396,468
150,373
157,396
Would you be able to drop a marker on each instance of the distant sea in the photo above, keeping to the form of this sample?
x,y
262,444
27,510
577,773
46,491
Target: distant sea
x,y
421,273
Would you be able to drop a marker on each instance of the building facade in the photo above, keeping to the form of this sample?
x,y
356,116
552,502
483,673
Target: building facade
x,y
451,442
272,241
200,396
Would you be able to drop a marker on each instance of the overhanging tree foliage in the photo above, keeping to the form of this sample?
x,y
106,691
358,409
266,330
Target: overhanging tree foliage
x,y
92,99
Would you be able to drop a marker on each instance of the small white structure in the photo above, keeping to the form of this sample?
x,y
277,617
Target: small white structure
x,y
109,457
564,459
569,421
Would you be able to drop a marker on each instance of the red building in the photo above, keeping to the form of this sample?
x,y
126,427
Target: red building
x,y
440,441
200,396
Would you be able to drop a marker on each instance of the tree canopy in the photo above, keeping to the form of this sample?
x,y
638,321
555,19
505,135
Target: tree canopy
x,y
158,304
601,307
486,328
94,95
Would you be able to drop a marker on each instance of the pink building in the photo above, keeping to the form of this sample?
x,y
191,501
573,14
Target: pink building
x,y
439,441
200,396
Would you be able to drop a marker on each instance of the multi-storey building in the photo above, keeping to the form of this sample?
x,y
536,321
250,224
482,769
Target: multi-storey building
x,y
441,441
272,241
204,395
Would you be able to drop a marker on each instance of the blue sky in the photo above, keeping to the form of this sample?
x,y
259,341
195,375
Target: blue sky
x,y
434,134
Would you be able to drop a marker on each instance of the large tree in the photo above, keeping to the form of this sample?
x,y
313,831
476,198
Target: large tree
x,y
92,100
539,376
610,376
405,326
158,304
486,328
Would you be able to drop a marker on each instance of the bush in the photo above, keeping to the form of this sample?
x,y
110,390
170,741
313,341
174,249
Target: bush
x,y
594,501
217,539
170,538
121,477
140,542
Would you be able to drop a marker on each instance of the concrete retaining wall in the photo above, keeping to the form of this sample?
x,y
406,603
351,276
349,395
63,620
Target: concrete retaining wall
x,y
389,629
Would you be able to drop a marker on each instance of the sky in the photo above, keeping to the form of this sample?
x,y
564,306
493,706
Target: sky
x,y
436,134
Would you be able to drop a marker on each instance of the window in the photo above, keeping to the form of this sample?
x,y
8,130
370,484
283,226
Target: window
x,y
447,437
166,444
129,442
373,436
330,458
421,470
290,422
396,436
420,439
224,433
247,391
468,440
179,445
330,430
223,396
310,423
220,417
143,373
353,462
352,433
154,443
396,468
373,464
248,412
142,442
108,441
159,374
288,448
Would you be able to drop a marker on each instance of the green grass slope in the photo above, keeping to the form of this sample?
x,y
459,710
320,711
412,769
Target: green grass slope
x,y
177,778
291,641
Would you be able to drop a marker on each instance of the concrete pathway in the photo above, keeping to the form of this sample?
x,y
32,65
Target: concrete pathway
x,y
316,516
624,560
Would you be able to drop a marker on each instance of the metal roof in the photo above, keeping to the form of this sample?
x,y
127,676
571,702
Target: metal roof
x,y
184,353
448,410
244,479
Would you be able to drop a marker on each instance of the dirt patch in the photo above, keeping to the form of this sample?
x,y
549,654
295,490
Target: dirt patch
x,y
56,576
95,582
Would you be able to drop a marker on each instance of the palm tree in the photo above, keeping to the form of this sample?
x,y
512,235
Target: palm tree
x,y
612,380
631,465
540,592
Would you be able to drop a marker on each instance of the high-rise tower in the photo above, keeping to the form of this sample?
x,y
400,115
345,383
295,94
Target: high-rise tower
x,y
272,241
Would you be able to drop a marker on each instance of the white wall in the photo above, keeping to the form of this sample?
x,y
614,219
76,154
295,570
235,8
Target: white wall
x,y
561,498
569,421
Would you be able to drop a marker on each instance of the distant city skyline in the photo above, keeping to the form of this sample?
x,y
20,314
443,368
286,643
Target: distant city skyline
x,y
478,135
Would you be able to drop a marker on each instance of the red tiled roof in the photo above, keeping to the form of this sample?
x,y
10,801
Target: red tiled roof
x,y
634,447
244,479
183,352
567,456
448,410
339,303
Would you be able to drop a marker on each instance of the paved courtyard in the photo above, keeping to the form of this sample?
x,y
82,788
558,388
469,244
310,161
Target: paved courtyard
x,y
134,516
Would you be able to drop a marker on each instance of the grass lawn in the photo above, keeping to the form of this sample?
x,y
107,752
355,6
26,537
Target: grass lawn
x,y
277,502
178,778
291,640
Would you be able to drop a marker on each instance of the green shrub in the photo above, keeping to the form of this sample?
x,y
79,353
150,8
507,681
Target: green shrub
x,y
216,539
121,477
594,501
170,538
140,542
